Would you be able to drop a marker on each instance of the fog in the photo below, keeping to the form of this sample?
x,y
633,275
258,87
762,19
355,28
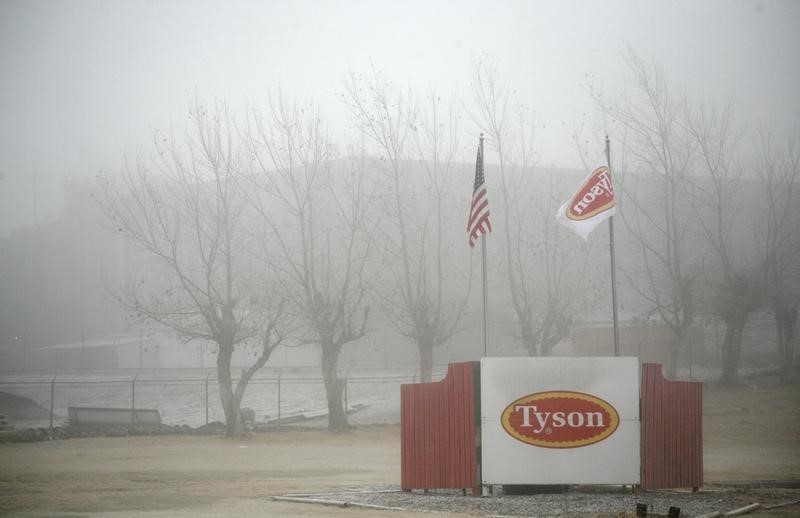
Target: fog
x,y
396,219
86,83
106,162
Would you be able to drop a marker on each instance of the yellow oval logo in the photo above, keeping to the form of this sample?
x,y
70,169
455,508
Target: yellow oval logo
x,y
560,419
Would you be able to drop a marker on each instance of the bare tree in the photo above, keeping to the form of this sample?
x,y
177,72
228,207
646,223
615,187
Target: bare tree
x,y
734,277
317,215
416,245
545,266
657,197
779,172
186,214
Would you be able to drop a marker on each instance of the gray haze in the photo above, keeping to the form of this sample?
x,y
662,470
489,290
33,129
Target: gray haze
x,y
85,83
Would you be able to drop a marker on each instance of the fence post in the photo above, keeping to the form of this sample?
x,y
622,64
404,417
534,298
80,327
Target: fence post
x,y
207,376
52,398
83,350
280,374
345,392
133,399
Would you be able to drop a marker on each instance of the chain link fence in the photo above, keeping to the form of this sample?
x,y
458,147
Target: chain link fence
x,y
36,400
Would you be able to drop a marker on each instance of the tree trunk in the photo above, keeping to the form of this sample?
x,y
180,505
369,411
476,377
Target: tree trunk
x,y
530,341
334,387
785,322
672,361
554,331
425,347
731,351
230,403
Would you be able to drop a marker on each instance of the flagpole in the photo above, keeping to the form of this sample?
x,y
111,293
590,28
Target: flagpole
x,y
613,262
485,288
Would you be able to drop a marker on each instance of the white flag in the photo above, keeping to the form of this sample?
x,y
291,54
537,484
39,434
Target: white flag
x,y
591,204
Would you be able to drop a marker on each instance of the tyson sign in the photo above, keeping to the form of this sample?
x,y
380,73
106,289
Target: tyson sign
x,y
560,419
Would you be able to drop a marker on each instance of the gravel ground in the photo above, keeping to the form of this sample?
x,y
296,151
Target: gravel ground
x,y
577,501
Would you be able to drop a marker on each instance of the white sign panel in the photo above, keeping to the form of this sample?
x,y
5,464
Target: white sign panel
x,y
560,420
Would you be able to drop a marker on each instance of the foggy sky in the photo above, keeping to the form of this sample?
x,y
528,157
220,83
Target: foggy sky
x,y
85,83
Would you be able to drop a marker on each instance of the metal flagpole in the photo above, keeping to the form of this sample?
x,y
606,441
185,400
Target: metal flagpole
x,y
613,262
485,289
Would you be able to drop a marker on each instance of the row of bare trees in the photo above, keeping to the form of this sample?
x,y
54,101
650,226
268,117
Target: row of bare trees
x,y
261,233
714,212
257,231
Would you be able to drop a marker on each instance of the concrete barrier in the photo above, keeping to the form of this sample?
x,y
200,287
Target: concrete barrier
x,y
79,416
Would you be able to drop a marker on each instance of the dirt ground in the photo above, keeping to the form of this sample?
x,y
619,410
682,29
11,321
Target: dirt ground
x,y
750,433
194,476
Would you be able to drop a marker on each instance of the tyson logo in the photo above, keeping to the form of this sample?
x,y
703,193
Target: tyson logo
x,y
594,196
560,419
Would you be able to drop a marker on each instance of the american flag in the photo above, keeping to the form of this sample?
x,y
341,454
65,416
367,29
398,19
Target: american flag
x,y
478,223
